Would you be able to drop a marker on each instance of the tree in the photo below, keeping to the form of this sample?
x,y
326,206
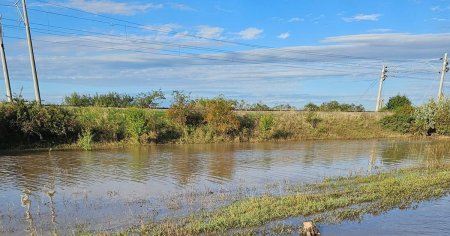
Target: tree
x,y
398,102
311,107
148,100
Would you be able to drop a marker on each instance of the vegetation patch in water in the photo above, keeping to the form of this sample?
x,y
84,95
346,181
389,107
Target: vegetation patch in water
x,y
342,198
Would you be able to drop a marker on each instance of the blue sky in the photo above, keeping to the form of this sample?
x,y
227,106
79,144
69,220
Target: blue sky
x,y
277,52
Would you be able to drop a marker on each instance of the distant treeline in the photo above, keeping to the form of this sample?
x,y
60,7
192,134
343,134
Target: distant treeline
x,y
153,100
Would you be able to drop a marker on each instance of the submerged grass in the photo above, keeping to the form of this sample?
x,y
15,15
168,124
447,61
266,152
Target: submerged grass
x,y
343,198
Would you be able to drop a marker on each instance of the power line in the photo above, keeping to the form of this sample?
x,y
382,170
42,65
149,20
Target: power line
x,y
177,52
142,26
176,45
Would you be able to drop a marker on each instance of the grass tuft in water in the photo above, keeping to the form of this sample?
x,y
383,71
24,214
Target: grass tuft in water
x,y
348,198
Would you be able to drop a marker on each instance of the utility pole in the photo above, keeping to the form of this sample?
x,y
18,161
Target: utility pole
x,y
30,47
443,71
382,79
5,65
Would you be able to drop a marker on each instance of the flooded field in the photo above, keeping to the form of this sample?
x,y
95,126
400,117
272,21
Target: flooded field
x,y
72,191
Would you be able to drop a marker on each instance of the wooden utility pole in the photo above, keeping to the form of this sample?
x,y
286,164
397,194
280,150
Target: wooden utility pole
x,y
443,71
37,93
382,79
4,64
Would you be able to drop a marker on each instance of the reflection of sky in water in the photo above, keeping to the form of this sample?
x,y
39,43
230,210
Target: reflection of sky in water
x,y
86,181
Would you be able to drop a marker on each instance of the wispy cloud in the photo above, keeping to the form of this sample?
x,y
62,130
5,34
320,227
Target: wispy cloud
x,y
289,20
317,65
439,19
439,8
162,29
250,33
284,35
362,17
206,31
181,6
295,19
380,30
222,9
111,7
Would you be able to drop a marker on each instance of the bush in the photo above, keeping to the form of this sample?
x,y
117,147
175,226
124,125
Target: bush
x,y
336,106
182,111
311,107
433,117
313,119
218,113
399,122
113,99
148,100
27,123
398,102
85,139
259,106
266,122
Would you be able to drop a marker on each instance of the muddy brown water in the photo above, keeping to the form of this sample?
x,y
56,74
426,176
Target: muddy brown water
x,y
111,190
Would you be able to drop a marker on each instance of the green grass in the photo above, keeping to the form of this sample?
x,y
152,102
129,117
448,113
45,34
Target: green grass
x,y
342,198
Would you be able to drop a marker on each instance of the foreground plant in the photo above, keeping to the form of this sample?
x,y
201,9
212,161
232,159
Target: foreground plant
x,y
335,199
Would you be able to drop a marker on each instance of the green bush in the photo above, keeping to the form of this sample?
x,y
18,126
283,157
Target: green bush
x,y
85,140
311,107
113,99
343,107
266,123
27,123
398,102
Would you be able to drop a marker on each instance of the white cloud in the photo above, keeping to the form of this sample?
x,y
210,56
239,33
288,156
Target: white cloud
x,y
162,29
439,19
250,33
439,8
111,7
284,35
380,30
181,7
295,19
362,17
206,31
345,60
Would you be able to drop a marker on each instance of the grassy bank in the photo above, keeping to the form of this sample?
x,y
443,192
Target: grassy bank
x,y
332,200
24,125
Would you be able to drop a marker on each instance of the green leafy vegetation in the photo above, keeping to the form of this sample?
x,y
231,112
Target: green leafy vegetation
x,y
343,198
112,99
203,120
334,106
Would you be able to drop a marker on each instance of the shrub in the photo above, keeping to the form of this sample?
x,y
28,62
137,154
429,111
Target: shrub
x,y
137,125
266,122
313,119
433,117
397,102
259,106
148,100
85,139
182,111
336,106
401,121
218,113
28,123
311,107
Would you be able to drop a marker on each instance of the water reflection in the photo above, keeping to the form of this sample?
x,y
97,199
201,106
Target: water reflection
x,y
88,182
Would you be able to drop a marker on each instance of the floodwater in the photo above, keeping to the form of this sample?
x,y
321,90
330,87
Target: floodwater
x,y
113,189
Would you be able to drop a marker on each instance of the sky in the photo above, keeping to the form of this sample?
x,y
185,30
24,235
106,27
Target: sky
x,y
277,52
